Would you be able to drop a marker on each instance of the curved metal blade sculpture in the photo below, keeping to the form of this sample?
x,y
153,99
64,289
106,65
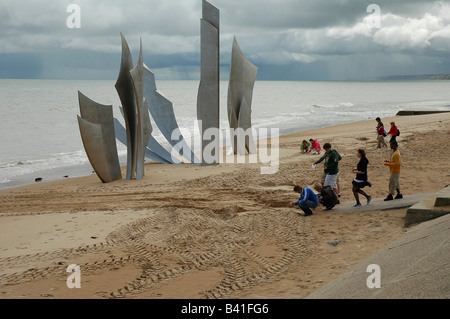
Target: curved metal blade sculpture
x,y
121,136
125,90
144,87
136,87
144,127
240,93
162,112
208,92
97,133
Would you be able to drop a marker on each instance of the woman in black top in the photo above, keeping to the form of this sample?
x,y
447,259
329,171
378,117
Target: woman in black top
x,y
361,179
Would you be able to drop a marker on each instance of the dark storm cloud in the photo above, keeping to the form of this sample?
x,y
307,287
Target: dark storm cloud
x,y
21,65
288,39
268,14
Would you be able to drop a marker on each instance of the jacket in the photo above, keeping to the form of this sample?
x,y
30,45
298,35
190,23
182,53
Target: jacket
x,y
307,147
315,145
393,131
307,194
395,162
332,163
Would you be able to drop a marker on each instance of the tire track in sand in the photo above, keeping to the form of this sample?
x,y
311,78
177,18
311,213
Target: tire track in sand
x,y
175,242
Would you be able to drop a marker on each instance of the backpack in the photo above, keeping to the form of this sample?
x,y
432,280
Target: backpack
x,y
328,197
384,133
398,132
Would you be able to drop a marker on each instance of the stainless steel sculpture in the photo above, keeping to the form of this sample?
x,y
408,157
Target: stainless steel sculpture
x,y
208,93
97,133
121,136
144,127
240,94
163,114
154,150
125,90
140,97
130,87
136,87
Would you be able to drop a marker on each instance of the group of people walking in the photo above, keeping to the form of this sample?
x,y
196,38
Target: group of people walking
x,y
330,178
381,133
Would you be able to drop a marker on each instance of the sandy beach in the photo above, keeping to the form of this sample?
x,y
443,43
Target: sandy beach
x,y
226,231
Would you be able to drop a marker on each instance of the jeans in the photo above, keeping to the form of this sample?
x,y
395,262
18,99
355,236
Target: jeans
x,y
306,206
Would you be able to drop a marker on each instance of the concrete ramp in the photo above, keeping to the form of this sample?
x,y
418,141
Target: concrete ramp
x,y
429,208
380,204
416,266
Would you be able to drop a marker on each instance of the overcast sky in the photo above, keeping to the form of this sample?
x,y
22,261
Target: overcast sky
x,y
286,39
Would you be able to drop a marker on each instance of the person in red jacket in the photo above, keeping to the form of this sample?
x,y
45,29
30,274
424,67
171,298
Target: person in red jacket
x,y
393,132
315,146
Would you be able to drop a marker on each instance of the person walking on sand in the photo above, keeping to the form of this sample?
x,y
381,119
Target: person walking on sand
x,y
305,147
315,147
361,179
394,168
393,132
331,168
381,134
307,200
322,178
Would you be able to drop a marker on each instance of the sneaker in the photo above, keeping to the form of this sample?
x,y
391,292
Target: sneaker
x,y
369,199
390,197
356,205
399,196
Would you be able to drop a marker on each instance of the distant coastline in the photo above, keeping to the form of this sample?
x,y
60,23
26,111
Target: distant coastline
x,y
415,77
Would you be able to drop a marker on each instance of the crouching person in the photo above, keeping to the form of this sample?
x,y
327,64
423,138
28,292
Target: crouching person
x,y
307,200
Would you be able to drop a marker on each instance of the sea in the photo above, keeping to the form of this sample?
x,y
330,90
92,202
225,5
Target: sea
x,y
40,138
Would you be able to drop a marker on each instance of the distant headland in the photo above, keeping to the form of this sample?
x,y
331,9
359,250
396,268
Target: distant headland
x,y
415,77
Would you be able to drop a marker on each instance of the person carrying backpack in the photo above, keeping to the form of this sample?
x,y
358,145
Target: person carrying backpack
x,y
393,132
328,197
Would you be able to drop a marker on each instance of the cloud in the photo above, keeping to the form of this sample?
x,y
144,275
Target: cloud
x,y
322,39
406,33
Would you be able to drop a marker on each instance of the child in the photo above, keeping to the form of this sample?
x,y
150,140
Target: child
x,y
315,147
305,147
328,197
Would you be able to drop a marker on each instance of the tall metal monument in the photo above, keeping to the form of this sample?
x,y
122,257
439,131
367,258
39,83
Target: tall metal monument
x,y
209,90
